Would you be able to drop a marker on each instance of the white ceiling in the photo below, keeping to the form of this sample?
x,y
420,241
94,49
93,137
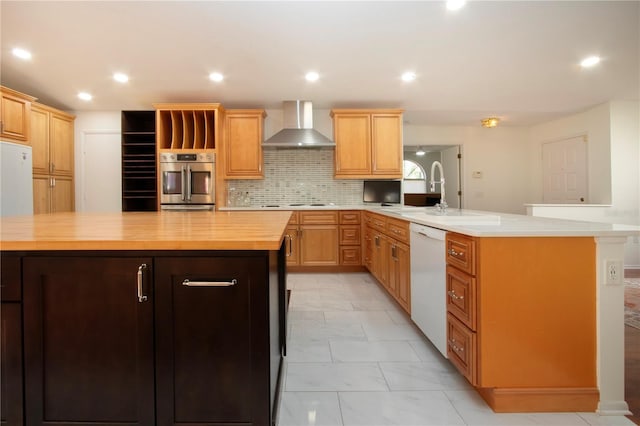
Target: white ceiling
x,y
517,60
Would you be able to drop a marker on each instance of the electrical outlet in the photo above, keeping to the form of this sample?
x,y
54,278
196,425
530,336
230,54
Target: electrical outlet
x,y
613,272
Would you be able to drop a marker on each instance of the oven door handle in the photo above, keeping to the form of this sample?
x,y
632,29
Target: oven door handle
x,y
189,182
183,173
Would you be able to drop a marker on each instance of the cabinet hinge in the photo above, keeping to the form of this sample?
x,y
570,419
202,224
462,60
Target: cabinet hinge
x,y
459,156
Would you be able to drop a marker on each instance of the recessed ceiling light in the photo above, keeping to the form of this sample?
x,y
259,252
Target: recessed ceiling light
x,y
120,77
216,76
590,61
312,76
85,96
21,53
420,152
455,4
408,76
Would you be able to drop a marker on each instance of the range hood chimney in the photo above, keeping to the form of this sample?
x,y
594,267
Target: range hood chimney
x,y
298,129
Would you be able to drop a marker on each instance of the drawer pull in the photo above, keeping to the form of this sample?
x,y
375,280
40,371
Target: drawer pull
x,y
457,349
210,283
454,295
454,253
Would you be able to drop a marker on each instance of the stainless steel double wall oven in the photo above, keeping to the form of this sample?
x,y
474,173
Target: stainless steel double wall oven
x,y
188,181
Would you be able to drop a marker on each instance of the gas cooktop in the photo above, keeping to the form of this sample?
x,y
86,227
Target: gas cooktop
x,y
295,205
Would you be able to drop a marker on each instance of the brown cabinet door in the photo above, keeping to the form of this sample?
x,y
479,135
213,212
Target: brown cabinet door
x,y
88,341
41,194
61,145
402,275
62,194
319,245
211,346
14,114
352,134
40,139
11,364
386,145
243,149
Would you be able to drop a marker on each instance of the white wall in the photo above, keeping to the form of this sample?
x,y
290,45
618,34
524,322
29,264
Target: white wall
x,y
501,154
613,132
595,123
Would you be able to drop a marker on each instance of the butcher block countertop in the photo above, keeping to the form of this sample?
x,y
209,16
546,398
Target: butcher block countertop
x,y
171,230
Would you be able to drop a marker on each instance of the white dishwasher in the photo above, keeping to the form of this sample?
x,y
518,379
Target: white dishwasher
x,y
428,284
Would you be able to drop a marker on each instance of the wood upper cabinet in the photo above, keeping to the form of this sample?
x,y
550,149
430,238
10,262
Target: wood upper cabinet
x,y
15,115
368,143
243,144
52,138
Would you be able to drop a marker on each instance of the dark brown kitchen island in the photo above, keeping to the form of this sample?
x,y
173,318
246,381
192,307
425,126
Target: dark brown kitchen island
x,y
144,318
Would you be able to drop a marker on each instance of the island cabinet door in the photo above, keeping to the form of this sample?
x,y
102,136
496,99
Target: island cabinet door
x,y
88,341
212,341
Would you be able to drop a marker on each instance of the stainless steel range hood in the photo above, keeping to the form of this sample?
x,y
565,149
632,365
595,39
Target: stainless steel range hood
x,y
298,129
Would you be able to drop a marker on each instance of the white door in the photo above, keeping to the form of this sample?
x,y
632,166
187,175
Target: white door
x,y
101,172
564,170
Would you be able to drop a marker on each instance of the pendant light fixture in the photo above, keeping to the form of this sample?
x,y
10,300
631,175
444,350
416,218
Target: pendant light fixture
x,y
420,152
490,122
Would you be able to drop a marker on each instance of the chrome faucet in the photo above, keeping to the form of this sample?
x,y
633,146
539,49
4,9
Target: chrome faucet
x,y
442,206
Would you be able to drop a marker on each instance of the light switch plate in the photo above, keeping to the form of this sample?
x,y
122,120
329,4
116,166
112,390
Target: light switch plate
x,y
476,174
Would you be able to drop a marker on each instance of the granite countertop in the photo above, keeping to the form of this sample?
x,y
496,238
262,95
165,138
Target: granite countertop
x,y
171,230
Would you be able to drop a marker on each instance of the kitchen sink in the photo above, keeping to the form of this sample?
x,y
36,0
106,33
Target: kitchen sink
x,y
454,217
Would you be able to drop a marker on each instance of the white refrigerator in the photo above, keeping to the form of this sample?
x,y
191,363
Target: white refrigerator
x,y
16,179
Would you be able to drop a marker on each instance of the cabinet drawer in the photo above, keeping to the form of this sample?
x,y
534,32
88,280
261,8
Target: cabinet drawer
x,y
349,218
318,217
10,279
294,219
350,235
461,348
461,296
378,222
398,229
461,252
350,255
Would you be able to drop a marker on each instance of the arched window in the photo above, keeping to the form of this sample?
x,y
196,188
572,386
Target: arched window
x,y
413,171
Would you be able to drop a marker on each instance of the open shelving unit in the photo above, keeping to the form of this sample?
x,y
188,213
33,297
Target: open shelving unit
x,y
139,171
187,126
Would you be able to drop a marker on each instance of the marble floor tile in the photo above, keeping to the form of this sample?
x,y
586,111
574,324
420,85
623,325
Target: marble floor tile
x,y
397,408
334,377
391,332
310,330
320,305
399,317
308,351
426,351
294,316
407,376
476,412
594,419
349,351
358,317
309,409
372,305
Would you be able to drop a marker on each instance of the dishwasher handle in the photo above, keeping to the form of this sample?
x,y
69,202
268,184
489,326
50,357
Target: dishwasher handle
x,y
428,232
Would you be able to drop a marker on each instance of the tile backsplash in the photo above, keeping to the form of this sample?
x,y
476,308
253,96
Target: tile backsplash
x,y
296,176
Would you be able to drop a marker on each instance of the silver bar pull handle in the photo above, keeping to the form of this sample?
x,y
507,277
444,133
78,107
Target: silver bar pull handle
x,y
141,296
189,176
183,173
189,283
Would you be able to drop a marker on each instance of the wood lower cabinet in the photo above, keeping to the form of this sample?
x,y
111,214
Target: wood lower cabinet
x,y
11,386
187,338
15,115
521,320
319,245
52,194
88,341
388,256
